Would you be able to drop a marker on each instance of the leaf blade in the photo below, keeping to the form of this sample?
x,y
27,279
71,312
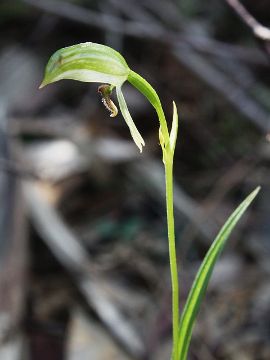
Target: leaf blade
x,y
201,281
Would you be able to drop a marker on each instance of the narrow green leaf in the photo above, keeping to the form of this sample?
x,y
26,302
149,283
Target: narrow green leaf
x,y
203,276
174,129
137,138
88,62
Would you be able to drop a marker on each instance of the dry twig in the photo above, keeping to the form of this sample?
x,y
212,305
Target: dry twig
x,y
262,32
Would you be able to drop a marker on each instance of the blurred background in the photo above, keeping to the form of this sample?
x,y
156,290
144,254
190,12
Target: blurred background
x,y
84,270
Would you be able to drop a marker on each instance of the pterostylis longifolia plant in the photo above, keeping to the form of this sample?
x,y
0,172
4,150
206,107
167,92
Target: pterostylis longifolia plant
x,y
90,62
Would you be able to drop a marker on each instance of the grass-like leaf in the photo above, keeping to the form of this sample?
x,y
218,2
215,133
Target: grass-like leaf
x,y
201,281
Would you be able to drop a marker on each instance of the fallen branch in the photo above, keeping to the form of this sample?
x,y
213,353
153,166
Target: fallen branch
x,y
262,32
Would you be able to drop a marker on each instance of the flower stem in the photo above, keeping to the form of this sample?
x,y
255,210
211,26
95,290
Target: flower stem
x,y
172,254
168,146
149,92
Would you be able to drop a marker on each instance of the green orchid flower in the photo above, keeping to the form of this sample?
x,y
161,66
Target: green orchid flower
x,y
90,62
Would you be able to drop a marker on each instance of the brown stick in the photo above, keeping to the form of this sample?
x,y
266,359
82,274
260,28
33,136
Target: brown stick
x,y
262,32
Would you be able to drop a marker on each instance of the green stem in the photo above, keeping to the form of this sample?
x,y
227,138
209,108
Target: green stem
x,y
168,152
172,254
149,92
